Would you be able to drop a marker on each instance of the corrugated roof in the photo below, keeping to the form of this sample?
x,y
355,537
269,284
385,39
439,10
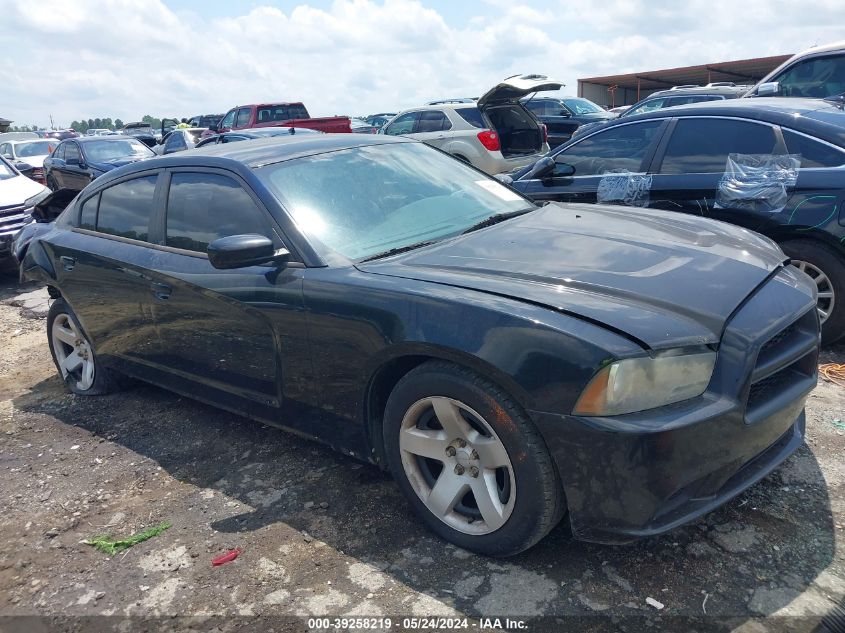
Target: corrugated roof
x,y
743,71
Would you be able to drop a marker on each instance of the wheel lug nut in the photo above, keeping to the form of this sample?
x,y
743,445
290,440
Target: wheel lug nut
x,y
473,471
459,470
473,455
461,442
450,451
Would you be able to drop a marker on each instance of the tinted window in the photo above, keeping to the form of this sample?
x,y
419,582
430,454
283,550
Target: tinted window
x,y
537,107
88,213
243,117
125,208
103,151
433,121
228,120
60,151
582,106
813,153
204,207
72,153
701,146
402,125
472,116
619,149
174,142
818,77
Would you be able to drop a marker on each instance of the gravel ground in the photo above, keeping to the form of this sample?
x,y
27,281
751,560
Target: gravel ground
x,y
323,535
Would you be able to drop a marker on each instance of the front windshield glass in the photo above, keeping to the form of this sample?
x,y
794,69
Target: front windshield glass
x,y
582,106
36,148
104,151
6,171
364,201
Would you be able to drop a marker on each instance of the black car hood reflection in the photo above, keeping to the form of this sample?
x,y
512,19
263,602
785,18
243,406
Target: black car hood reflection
x,y
663,279
108,165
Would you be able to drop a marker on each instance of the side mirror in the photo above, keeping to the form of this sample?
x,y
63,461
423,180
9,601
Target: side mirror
x,y
768,89
541,169
24,168
239,251
563,168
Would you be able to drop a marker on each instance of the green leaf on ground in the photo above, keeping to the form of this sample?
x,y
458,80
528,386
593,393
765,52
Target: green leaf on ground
x,y
112,547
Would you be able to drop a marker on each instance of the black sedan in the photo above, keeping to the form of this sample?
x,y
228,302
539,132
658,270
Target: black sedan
x,y
774,166
562,117
510,364
76,162
252,133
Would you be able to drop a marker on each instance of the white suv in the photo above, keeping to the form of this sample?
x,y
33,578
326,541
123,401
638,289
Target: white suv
x,y
495,133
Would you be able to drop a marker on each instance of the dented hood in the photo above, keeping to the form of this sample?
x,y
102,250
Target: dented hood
x,y
512,89
663,279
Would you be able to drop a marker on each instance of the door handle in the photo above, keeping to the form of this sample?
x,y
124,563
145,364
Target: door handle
x,y
161,291
67,262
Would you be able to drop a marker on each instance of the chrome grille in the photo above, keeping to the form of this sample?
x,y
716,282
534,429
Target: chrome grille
x,y
12,218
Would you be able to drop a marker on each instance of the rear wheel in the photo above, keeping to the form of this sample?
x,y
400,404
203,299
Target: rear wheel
x,y
73,355
470,462
827,270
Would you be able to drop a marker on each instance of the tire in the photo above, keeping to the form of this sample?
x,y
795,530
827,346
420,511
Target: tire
x,y
827,269
526,498
84,376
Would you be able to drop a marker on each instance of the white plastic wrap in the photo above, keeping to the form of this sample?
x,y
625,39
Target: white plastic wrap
x,y
758,182
628,188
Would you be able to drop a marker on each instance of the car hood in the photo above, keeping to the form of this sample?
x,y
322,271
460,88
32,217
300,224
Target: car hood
x,y
513,89
596,116
17,190
660,278
35,161
108,165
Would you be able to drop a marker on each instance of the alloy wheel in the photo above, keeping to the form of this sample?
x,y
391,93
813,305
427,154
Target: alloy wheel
x,y
826,295
73,352
457,465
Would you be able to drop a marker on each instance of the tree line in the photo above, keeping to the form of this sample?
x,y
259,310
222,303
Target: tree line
x,y
84,125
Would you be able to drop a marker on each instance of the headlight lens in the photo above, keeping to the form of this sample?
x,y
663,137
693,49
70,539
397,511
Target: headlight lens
x,y
637,384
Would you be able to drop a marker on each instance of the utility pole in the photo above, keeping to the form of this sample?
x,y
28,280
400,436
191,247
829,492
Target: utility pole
x,y
52,125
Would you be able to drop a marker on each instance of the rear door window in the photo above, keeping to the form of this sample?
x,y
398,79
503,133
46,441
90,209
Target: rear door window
x,y
702,145
432,121
202,207
126,208
72,154
619,149
88,213
813,153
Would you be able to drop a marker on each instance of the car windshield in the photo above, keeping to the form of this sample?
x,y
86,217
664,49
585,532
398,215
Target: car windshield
x,y
104,151
582,106
36,148
6,171
365,201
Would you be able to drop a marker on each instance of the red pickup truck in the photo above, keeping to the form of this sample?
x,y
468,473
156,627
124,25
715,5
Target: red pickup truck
x,y
272,114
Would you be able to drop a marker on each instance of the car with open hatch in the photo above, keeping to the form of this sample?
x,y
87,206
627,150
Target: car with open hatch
x,y
624,370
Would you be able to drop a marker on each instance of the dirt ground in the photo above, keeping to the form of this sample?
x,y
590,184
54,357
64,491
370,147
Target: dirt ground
x,y
323,535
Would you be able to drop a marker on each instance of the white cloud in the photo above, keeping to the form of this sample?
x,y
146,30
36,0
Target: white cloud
x,y
126,58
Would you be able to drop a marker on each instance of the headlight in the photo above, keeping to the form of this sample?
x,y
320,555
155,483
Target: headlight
x,y
637,384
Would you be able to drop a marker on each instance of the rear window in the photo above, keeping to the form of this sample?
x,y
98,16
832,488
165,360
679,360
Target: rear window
x,y
125,208
282,113
472,116
813,153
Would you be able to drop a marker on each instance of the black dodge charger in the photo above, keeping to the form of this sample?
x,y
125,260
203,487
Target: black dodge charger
x,y
626,370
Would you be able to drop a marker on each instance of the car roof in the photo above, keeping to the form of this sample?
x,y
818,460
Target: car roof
x,y
92,139
825,119
264,151
701,90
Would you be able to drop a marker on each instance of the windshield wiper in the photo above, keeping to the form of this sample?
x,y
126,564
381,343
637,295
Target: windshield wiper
x,y
396,251
495,219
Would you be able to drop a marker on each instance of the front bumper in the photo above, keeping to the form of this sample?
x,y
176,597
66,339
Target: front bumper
x,y
638,475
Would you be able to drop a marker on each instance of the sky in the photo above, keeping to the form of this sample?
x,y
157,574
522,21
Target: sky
x,y
75,59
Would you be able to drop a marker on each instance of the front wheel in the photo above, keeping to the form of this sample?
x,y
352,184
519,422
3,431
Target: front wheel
x,y
74,356
827,270
470,462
